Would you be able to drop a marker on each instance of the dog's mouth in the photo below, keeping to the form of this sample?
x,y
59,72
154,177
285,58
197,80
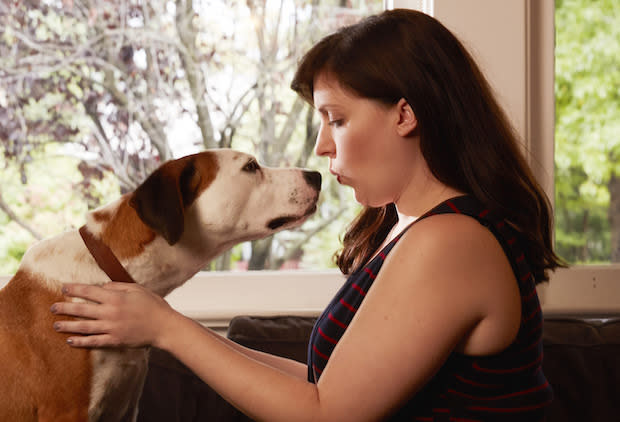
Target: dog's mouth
x,y
276,223
288,220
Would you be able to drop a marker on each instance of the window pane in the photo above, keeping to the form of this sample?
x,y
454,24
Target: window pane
x,y
94,95
587,150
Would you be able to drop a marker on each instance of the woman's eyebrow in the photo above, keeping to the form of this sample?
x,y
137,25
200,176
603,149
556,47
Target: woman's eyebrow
x,y
324,107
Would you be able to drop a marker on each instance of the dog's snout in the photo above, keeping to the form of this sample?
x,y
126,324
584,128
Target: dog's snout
x,y
313,178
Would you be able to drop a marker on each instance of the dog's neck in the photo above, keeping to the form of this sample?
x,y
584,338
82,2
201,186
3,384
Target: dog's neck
x,y
104,257
146,256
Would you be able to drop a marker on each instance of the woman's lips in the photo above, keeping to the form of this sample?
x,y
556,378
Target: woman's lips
x,y
338,178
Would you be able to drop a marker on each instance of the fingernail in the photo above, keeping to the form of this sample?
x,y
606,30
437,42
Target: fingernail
x,y
54,308
69,341
56,326
65,290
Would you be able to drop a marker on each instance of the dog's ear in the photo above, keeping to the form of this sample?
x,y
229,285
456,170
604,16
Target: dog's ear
x,y
162,198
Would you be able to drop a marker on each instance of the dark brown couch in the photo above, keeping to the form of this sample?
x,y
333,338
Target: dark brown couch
x,y
582,362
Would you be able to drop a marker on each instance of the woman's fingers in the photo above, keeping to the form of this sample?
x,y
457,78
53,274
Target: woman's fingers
x,y
116,314
80,327
92,333
101,340
121,286
82,310
88,291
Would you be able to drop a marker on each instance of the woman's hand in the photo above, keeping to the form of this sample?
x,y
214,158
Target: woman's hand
x,y
117,314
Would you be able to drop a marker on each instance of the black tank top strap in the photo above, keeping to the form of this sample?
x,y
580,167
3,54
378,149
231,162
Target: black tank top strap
x,y
464,204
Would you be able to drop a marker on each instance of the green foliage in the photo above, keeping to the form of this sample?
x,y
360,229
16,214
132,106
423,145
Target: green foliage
x,y
50,202
587,125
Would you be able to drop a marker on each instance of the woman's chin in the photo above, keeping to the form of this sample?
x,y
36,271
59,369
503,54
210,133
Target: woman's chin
x,y
370,201
367,201
360,199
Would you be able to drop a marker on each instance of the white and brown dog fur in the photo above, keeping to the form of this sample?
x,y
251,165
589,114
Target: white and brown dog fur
x,y
186,213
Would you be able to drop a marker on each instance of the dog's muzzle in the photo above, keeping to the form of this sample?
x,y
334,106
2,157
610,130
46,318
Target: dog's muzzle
x,y
313,178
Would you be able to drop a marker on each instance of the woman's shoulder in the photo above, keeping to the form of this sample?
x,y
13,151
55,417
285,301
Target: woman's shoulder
x,y
456,241
466,266
459,253
450,230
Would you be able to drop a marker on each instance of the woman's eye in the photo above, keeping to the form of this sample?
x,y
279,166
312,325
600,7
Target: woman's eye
x,y
251,167
335,123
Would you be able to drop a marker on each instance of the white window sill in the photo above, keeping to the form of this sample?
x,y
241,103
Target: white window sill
x,y
213,298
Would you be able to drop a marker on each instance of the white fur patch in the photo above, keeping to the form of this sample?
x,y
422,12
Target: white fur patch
x,y
63,259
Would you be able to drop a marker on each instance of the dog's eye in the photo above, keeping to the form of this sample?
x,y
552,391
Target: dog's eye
x,y
251,167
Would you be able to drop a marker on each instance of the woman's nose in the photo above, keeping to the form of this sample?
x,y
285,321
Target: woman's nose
x,y
324,145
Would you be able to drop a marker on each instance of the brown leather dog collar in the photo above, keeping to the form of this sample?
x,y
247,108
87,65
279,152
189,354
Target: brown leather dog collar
x,y
105,258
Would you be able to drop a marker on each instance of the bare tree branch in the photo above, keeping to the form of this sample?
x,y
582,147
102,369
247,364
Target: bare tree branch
x,y
289,126
195,78
233,118
23,224
294,249
311,133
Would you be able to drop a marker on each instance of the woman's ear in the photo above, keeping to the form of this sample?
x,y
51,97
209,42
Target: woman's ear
x,y
407,121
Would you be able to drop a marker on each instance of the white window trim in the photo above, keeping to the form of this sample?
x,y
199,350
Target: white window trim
x,y
214,298
516,54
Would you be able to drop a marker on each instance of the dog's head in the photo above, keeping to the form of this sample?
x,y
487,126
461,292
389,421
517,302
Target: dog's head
x,y
224,194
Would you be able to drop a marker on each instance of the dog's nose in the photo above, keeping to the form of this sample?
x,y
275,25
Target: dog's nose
x,y
313,178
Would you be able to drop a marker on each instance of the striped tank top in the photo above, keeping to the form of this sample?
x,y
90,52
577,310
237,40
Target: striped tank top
x,y
508,386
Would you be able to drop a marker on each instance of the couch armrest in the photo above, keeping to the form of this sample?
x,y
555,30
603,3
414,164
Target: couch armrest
x,y
285,336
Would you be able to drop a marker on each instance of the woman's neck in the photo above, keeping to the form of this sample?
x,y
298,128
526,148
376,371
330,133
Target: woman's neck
x,y
410,208
422,192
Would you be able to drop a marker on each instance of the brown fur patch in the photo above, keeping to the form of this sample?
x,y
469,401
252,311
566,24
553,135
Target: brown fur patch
x,y
101,216
207,165
43,379
125,233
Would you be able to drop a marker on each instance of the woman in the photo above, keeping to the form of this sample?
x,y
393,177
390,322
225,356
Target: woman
x,y
439,319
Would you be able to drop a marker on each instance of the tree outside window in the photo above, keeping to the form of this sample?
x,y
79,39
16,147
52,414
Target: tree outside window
x,y
587,155
95,94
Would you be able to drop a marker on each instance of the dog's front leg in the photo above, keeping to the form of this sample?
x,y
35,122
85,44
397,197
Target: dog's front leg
x,y
118,379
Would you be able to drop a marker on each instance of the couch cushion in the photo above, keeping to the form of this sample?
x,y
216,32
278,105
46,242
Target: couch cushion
x,y
582,363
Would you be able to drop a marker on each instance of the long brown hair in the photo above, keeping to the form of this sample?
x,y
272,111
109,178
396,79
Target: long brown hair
x,y
465,137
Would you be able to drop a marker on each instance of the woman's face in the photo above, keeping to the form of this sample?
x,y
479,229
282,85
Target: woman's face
x,y
368,143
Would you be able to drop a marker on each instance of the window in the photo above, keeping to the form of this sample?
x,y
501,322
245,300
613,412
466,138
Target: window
x,y
513,41
587,147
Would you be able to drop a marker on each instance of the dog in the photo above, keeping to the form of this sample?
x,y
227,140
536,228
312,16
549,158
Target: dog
x,y
182,216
